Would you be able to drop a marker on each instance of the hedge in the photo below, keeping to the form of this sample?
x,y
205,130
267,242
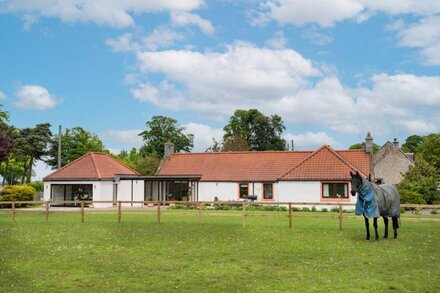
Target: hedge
x,y
17,193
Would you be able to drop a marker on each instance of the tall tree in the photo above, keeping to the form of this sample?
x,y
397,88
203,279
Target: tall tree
x,y
422,181
75,142
32,145
6,136
411,144
358,146
160,129
145,164
259,131
429,150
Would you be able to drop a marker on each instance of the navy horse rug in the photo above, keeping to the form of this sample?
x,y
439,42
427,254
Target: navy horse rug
x,y
374,201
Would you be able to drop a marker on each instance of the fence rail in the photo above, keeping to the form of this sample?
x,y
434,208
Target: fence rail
x,y
199,205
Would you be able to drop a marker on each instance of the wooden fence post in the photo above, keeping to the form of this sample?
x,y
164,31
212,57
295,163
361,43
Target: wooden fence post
x,y
82,211
119,211
340,217
158,212
200,213
47,212
13,211
290,215
244,213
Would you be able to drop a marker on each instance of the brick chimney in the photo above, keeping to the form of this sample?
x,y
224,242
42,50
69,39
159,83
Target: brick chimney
x,y
168,150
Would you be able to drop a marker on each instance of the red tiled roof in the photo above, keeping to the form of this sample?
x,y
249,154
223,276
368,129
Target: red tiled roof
x,y
91,166
323,164
252,166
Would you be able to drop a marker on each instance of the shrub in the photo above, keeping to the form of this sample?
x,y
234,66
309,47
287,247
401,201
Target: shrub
x,y
305,209
17,193
409,196
434,212
313,209
324,210
37,185
335,210
295,209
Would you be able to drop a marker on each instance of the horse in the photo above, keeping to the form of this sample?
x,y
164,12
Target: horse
x,y
376,201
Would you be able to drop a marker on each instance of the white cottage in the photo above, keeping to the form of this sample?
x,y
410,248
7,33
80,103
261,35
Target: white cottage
x,y
92,177
273,176
295,176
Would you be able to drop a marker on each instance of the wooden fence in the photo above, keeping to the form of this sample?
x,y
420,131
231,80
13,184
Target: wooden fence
x,y
199,205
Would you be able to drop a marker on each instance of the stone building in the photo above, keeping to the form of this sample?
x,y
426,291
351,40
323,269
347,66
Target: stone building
x,y
391,163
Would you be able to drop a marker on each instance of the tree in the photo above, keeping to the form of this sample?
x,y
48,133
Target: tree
x,y
160,129
421,179
75,142
260,132
32,145
358,146
144,164
6,136
412,143
429,150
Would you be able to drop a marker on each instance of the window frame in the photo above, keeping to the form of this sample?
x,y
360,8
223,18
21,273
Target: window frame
x,y
347,188
239,189
264,191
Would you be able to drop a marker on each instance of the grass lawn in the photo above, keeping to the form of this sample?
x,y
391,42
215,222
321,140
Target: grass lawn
x,y
181,255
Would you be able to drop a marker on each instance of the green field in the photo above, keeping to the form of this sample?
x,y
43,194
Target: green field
x,y
220,255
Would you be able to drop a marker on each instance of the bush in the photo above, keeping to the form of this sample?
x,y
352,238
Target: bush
x,y
324,210
295,209
37,185
434,212
17,193
335,210
313,209
409,196
304,209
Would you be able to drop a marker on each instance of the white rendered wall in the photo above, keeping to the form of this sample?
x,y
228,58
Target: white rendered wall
x,y
306,191
224,191
102,190
125,192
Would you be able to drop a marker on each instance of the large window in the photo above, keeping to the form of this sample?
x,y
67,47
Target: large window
x,y
267,191
244,190
177,190
335,190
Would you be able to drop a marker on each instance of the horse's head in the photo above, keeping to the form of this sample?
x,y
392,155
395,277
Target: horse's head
x,y
356,183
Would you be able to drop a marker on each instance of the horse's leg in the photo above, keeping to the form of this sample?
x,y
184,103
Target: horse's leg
x,y
385,220
367,226
375,228
395,226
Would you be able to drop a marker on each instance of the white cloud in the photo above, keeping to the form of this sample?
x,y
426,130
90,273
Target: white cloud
x,y
203,135
182,18
34,97
2,95
316,36
310,140
113,13
424,35
122,139
161,37
301,12
284,82
123,43
278,41
327,13
243,74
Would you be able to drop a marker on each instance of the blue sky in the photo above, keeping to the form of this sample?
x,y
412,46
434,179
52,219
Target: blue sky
x,y
332,69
